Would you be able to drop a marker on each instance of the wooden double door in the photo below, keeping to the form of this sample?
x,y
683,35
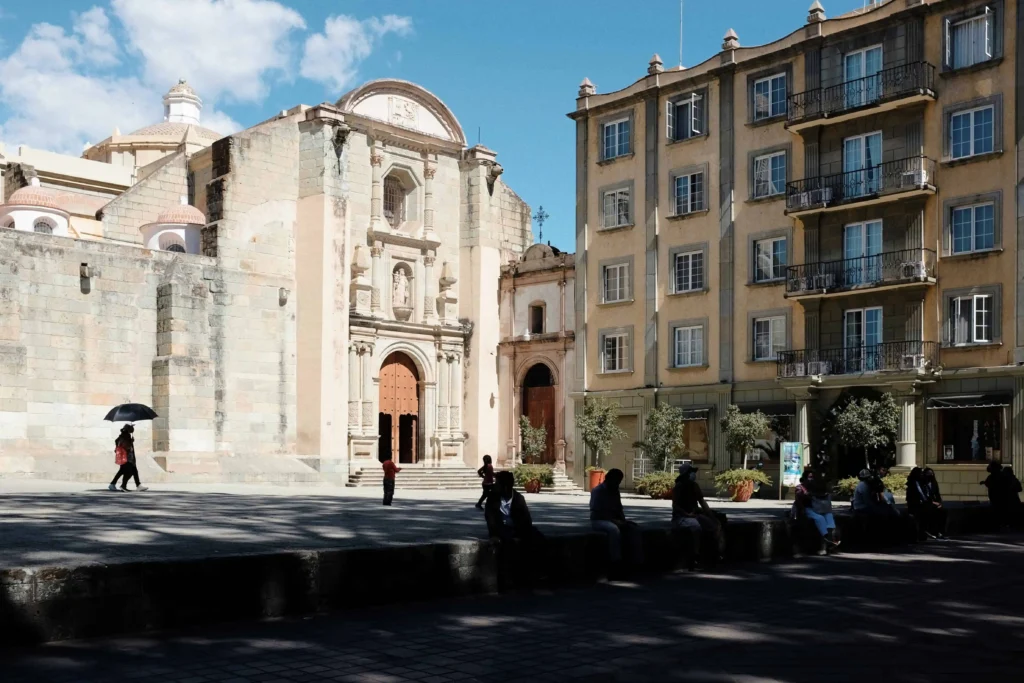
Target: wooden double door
x,y
398,421
539,408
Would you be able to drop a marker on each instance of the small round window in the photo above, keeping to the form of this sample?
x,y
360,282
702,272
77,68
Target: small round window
x,y
173,243
43,227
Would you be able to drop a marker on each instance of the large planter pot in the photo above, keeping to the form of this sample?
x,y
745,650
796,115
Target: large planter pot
x,y
533,486
594,478
667,495
741,492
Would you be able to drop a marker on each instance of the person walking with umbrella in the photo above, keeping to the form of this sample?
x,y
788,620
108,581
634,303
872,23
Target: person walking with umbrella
x,y
124,444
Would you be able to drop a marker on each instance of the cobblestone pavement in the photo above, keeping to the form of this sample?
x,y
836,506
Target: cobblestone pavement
x,y
53,523
941,612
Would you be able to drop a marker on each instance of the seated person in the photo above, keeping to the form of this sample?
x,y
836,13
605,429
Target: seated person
x,y
1003,494
507,514
691,512
814,502
925,503
607,516
870,499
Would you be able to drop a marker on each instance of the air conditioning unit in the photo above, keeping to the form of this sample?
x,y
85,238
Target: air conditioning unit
x,y
799,284
822,367
912,269
794,370
912,361
825,281
803,200
822,195
916,178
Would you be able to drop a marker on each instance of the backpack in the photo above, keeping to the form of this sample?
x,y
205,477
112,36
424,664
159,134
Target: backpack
x,y
120,455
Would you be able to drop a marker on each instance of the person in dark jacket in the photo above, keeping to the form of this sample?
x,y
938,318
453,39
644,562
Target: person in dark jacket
x,y
690,512
1003,494
506,512
814,502
129,468
608,517
924,502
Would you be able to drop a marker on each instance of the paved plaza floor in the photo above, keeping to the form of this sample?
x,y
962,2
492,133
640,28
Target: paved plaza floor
x,y
53,523
934,613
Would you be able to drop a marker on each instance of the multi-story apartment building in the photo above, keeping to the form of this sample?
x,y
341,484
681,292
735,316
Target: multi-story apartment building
x,y
791,226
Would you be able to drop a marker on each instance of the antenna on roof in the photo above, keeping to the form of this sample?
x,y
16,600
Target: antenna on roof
x,y
478,135
680,34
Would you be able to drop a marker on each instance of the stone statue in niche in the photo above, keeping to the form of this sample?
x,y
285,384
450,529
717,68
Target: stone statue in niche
x,y
400,293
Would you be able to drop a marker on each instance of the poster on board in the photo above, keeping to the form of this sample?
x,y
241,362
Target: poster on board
x,y
792,464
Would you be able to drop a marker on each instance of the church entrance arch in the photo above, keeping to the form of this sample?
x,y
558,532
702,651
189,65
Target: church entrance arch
x,y
539,406
398,423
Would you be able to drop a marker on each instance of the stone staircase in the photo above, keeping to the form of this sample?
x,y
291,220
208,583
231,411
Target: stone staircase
x,y
446,478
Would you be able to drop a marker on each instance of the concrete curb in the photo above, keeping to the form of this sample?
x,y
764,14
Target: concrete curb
x,y
57,603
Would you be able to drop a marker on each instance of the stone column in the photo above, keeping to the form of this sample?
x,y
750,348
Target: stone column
x,y
354,387
429,170
906,446
377,275
429,290
442,394
802,429
369,424
377,222
1016,431
455,389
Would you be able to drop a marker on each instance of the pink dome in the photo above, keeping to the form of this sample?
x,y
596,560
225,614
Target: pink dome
x,y
34,196
182,213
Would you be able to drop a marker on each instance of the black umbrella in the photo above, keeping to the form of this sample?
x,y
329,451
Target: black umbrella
x,y
130,412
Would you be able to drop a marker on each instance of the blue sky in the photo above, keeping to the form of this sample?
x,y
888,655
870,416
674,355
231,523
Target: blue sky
x,y
509,69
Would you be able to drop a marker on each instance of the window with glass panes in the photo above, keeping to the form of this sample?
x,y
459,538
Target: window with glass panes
x,y
972,132
689,191
615,282
970,41
971,319
616,138
769,337
689,271
770,97
616,208
685,117
770,175
973,228
770,259
689,346
615,349
394,201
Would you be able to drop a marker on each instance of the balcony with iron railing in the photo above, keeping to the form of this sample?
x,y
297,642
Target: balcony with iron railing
x,y
891,269
913,357
893,88
884,182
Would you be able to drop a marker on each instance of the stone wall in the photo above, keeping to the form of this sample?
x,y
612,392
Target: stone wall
x,y
141,204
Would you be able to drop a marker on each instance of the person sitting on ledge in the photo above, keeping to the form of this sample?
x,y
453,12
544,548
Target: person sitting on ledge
x,y
813,502
870,499
1003,494
691,512
507,514
608,517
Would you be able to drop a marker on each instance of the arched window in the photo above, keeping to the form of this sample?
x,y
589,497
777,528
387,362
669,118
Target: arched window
x,y
171,242
394,201
9,223
43,226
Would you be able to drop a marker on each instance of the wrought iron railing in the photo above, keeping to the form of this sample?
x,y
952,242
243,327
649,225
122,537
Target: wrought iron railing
x,y
890,84
906,356
901,175
906,265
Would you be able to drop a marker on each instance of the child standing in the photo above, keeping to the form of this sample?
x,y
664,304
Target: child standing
x,y
390,470
487,474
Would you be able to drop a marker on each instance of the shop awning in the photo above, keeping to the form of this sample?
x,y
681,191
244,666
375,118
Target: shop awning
x,y
770,409
972,401
696,413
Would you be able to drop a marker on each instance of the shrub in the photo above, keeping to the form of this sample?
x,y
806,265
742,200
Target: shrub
x,y
897,483
664,436
742,430
525,473
655,484
732,477
598,426
594,469
844,488
533,440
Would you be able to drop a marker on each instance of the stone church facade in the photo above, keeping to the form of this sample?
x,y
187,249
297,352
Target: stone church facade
x,y
329,296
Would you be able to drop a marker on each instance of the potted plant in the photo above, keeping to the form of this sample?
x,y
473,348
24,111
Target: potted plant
x,y
533,478
664,442
738,484
657,485
599,430
532,440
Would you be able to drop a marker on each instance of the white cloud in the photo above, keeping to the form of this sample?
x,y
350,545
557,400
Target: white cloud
x,y
96,45
225,48
220,122
333,57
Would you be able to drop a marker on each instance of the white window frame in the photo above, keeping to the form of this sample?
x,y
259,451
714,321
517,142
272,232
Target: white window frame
x,y
770,102
690,205
986,307
775,266
866,95
617,137
971,113
615,217
619,361
770,189
672,112
693,284
776,325
973,208
988,18
623,282
684,353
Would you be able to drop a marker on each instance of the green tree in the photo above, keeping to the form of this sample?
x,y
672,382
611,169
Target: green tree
x,y
598,426
742,430
533,440
867,424
664,432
